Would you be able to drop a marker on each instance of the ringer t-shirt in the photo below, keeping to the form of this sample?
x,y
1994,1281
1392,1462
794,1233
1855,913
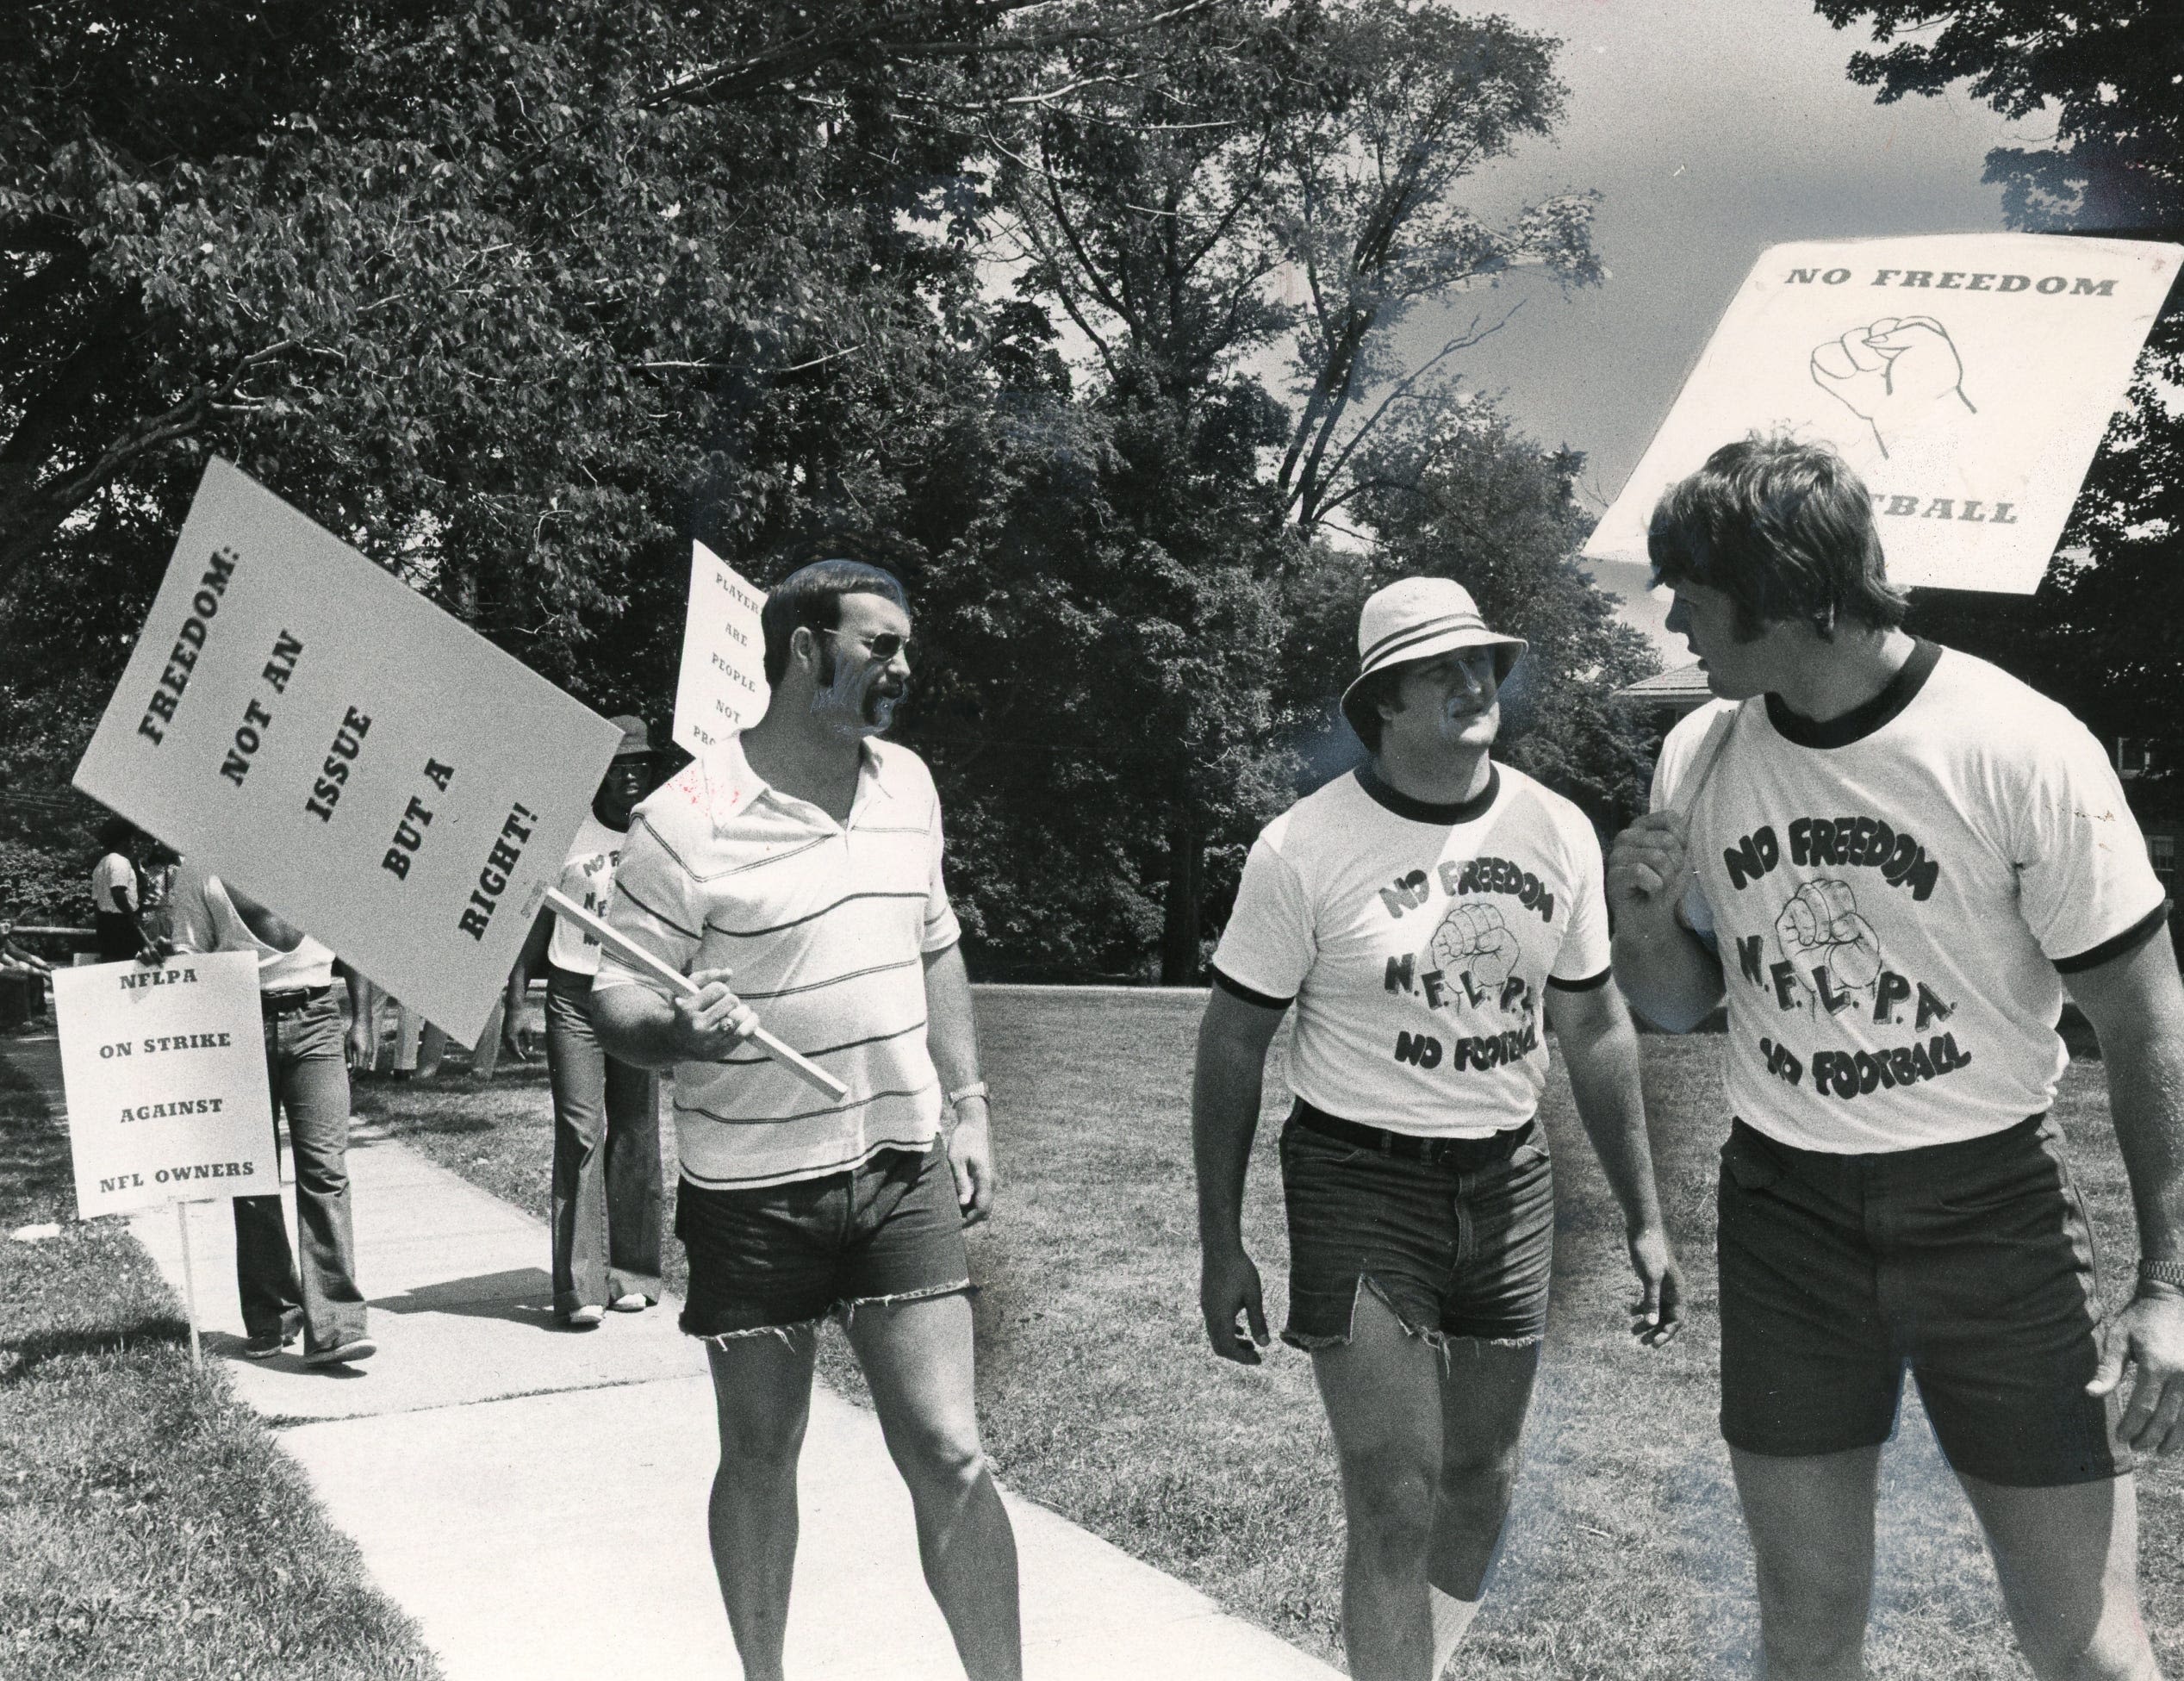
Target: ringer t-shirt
x,y
1415,940
588,877
204,918
826,925
1891,894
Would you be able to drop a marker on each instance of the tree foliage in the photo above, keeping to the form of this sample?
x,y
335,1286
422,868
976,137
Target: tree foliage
x,y
521,297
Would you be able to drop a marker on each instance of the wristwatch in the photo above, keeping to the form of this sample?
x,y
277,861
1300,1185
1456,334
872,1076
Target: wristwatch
x,y
2162,1272
964,1093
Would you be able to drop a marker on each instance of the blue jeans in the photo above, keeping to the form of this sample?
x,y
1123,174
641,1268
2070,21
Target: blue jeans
x,y
607,1159
1458,1246
309,1078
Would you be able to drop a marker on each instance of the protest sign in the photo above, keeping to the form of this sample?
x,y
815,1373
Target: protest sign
x,y
721,689
165,1070
341,750
1968,378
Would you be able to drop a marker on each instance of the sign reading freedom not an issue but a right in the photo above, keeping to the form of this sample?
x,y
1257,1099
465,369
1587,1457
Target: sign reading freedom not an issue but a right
x,y
721,689
323,737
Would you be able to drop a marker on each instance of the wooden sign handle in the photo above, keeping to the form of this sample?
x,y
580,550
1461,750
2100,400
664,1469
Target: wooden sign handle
x,y
806,1069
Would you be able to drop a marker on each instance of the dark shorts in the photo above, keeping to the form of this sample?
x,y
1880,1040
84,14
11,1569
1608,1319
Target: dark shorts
x,y
1461,1247
785,1255
1971,1263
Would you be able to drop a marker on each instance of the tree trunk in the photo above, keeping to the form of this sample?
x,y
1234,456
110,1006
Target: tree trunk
x,y
1186,897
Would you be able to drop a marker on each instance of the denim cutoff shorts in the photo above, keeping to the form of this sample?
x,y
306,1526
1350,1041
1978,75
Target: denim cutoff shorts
x,y
1459,1247
782,1256
1970,1262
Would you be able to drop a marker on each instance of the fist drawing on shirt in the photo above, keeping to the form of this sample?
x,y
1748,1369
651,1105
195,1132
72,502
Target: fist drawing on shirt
x,y
1474,937
1821,928
1894,374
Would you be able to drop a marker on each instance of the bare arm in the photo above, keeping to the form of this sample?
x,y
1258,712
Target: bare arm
x,y
951,1033
2136,1004
1225,1093
635,1025
1600,1051
362,1045
1665,970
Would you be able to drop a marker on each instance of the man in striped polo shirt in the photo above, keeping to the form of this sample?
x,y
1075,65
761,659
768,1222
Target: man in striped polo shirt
x,y
805,858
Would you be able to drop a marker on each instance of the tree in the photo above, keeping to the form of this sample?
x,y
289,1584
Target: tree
x,y
2105,633
1406,102
1156,207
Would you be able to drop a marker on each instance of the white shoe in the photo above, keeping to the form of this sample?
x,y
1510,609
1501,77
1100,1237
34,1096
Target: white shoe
x,y
585,1317
635,1302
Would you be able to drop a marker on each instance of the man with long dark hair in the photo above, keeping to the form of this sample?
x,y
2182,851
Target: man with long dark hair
x,y
1892,859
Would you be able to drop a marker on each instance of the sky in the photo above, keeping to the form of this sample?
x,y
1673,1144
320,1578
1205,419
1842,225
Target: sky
x,y
1711,129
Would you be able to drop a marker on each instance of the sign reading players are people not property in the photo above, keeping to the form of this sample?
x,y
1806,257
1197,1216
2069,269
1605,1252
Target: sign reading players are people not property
x,y
165,1069
721,689
1969,378
336,746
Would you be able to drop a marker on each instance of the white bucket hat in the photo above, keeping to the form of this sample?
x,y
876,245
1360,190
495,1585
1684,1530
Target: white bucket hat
x,y
1420,618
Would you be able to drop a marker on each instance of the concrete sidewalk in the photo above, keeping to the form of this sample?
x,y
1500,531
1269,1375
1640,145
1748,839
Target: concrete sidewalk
x,y
535,1498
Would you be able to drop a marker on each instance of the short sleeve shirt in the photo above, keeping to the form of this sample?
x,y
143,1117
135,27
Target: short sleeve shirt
x,y
588,878
1893,895
114,874
1416,941
826,926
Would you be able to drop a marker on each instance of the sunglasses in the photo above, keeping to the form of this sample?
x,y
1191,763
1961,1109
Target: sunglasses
x,y
881,648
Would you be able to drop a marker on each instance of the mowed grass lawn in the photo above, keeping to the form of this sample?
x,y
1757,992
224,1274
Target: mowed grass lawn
x,y
1626,1556
149,1527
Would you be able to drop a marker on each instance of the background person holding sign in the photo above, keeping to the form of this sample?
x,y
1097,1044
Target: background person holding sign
x,y
1896,857
805,855
305,1068
606,1112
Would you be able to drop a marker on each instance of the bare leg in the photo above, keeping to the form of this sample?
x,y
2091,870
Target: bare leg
x,y
916,1358
1383,1394
762,1385
1486,1392
2068,1559
1811,1521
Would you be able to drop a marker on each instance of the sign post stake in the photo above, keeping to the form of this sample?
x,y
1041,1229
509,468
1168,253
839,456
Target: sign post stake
x,y
802,1067
188,1287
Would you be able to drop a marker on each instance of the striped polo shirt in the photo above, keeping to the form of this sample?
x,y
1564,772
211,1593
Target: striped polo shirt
x,y
826,926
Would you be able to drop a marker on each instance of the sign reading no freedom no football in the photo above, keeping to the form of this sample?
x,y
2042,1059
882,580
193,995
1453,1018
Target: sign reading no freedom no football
x,y
1969,378
165,1068
721,689
323,737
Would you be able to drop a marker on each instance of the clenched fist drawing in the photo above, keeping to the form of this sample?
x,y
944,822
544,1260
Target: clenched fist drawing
x,y
1821,928
1474,937
1895,374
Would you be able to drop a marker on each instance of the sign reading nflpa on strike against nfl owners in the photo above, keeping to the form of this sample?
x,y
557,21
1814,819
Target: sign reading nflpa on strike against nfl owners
x,y
165,1068
330,742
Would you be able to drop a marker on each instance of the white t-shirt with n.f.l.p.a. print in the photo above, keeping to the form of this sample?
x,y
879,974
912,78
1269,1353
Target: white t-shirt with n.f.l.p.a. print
x,y
1416,941
1896,897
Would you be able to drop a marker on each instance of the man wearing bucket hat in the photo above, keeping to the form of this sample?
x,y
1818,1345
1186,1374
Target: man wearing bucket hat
x,y
607,1113
1419,912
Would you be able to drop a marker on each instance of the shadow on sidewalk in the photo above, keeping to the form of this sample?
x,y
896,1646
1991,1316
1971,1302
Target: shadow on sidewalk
x,y
522,1294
